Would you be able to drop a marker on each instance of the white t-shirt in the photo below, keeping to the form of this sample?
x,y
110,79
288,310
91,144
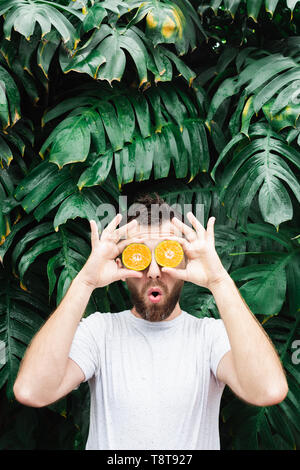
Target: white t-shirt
x,y
153,385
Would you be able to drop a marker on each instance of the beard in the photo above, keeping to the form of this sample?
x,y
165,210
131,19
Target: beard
x,y
154,312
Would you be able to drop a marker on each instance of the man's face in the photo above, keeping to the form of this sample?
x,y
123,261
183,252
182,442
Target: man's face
x,y
150,307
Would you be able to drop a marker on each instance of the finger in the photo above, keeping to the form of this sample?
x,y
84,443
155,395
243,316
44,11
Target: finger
x,y
196,224
176,273
183,241
122,244
124,273
111,226
210,229
94,233
122,232
190,234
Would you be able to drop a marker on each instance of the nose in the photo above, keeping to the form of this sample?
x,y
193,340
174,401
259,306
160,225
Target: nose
x,y
154,271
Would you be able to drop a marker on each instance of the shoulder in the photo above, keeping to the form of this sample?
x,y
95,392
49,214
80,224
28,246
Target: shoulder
x,y
208,322
103,321
207,326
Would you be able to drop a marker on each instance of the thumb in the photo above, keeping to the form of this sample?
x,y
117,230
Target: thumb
x,y
210,228
123,273
94,233
175,273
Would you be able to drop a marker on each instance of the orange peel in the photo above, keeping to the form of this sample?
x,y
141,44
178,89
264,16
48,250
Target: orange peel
x,y
169,253
136,256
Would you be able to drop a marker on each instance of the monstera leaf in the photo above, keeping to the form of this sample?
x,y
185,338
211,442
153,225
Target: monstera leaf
x,y
46,187
46,241
20,318
103,56
260,165
96,11
169,22
14,141
265,289
200,122
10,111
253,7
136,131
8,217
23,15
268,81
66,250
275,427
287,117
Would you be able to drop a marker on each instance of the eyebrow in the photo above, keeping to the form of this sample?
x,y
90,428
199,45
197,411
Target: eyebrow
x,y
160,239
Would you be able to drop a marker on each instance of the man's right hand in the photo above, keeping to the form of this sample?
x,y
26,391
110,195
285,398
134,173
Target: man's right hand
x,y
101,268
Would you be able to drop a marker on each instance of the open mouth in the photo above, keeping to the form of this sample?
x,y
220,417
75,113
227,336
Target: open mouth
x,y
154,294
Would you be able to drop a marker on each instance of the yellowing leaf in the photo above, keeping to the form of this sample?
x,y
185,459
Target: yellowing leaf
x,y
168,28
150,20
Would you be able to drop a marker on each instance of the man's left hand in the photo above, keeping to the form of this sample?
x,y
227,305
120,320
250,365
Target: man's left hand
x,y
203,265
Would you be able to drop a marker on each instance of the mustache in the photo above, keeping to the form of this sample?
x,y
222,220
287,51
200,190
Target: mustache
x,y
156,312
157,283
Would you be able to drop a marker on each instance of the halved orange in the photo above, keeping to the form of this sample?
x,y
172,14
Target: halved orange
x,y
168,253
136,256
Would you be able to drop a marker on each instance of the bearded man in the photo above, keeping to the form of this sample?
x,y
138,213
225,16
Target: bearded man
x,y
156,373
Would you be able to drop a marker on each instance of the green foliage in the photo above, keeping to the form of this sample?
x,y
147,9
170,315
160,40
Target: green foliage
x,y
196,100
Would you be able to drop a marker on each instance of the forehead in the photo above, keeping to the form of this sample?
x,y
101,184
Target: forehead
x,y
154,233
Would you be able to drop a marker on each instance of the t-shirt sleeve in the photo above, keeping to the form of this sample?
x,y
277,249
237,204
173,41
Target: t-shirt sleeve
x,y
220,344
84,349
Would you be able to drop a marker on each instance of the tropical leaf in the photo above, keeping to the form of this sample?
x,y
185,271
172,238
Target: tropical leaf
x,y
23,15
265,291
169,22
12,146
71,253
94,17
14,141
46,187
260,165
20,318
103,56
287,117
18,56
48,45
275,88
198,302
10,111
219,124
253,7
274,427
6,186
119,127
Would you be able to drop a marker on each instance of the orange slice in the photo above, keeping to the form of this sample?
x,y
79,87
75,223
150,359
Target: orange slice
x,y
168,253
136,256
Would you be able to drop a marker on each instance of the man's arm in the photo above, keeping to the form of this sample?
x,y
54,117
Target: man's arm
x,y
252,368
46,372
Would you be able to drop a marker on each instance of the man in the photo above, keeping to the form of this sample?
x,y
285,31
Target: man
x,y
156,373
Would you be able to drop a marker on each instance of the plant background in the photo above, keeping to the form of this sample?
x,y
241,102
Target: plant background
x,y
198,101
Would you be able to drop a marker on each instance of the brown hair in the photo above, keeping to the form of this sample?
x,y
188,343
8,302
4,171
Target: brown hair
x,y
145,214
143,206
